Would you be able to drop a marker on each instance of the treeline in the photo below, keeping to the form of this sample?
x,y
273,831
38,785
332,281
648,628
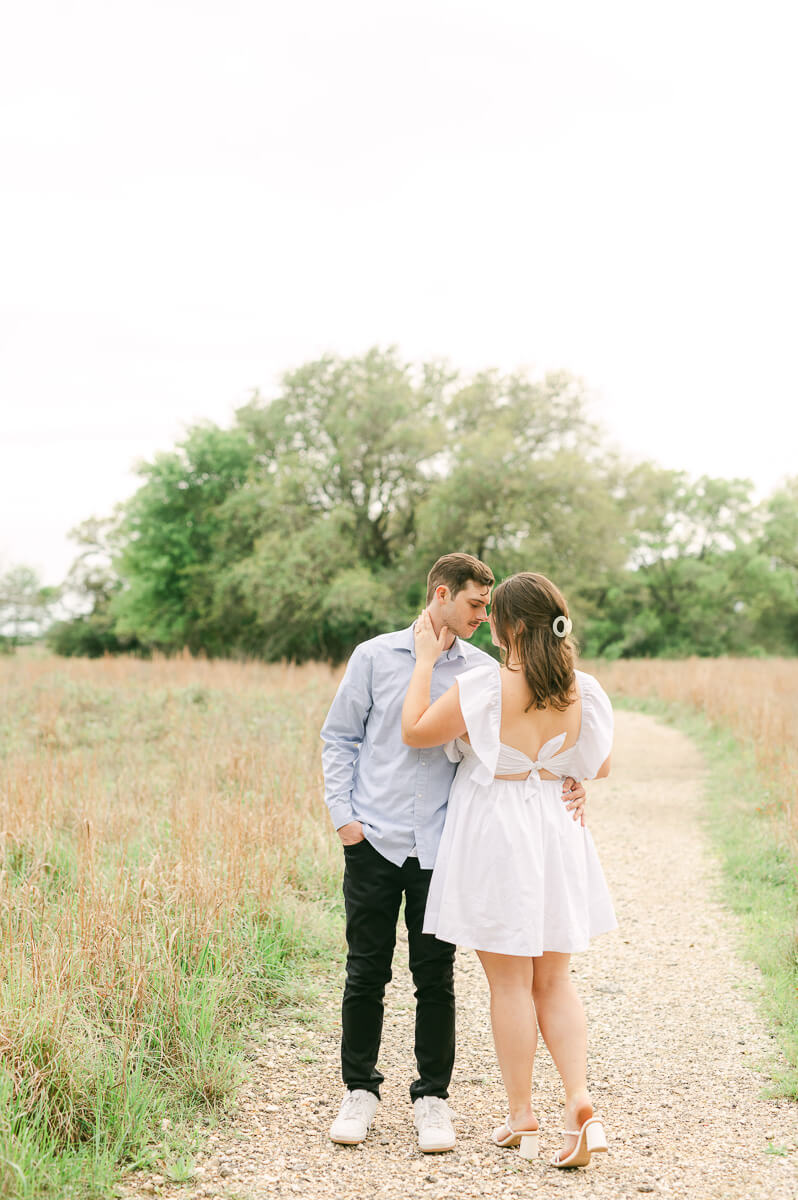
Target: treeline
x,y
311,523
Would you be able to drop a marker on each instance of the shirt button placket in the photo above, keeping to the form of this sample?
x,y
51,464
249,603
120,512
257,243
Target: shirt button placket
x,y
419,796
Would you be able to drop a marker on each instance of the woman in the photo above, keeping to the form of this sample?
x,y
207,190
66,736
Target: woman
x,y
515,877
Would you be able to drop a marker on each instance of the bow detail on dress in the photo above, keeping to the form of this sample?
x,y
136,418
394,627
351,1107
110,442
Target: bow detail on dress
x,y
547,752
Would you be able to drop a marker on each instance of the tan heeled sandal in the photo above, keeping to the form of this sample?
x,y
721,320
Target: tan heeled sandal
x,y
527,1140
591,1139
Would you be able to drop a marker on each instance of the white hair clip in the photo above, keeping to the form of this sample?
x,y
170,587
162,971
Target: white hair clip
x,y
562,625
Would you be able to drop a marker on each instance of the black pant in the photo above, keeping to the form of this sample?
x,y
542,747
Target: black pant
x,y
373,889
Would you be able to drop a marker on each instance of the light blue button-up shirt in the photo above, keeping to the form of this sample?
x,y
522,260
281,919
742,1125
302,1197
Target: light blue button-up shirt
x,y
398,794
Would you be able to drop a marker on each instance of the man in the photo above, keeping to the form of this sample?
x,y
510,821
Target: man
x,y
388,804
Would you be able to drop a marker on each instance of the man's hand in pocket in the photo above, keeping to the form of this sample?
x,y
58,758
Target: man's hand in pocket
x,y
351,834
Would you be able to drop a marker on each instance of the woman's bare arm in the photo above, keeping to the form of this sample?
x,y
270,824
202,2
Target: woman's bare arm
x,y
604,769
425,724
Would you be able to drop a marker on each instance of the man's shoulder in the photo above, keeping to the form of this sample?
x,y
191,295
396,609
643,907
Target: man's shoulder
x,y
399,639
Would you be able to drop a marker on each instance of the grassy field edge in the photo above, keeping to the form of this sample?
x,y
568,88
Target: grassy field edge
x,y
161,1122
759,878
166,887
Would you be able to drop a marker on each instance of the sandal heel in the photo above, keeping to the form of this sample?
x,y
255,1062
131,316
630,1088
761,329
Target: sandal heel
x,y
595,1137
530,1145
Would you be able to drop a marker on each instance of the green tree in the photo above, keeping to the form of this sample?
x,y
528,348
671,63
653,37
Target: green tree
x,y
25,606
87,593
168,532
780,546
526,484
303,596
700,581
357,435
311,523
780,538
332,467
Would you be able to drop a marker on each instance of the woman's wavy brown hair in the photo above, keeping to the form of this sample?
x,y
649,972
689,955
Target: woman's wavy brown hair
x,y
524,608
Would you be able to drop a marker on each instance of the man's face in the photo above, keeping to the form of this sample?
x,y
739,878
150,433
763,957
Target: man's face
x,y
464,613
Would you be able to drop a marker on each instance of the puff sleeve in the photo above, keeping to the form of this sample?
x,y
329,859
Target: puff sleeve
x,y
480,702
595,738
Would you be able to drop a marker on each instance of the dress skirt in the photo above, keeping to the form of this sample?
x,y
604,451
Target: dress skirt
x,y
515,874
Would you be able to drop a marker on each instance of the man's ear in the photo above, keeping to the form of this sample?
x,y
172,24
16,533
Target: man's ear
x,y
441,593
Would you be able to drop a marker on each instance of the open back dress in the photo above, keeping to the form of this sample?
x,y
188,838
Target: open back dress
x,y
515,874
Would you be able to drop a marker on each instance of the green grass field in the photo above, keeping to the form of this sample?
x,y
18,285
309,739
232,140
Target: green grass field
x,y
168,877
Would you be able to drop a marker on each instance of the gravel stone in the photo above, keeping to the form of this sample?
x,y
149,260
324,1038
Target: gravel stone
x,y
677,1048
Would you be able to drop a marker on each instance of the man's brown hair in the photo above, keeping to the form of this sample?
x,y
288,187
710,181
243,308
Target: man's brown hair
x,y
524,609
456,570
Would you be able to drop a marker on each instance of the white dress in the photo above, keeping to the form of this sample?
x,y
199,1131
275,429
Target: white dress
x,y
515,873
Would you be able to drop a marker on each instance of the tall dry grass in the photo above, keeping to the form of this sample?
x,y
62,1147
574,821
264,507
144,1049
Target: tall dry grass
x,y
164,853
757,699
163,849
754,807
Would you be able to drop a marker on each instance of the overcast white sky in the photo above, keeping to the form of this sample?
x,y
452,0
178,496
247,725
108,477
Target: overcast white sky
x,y
199,194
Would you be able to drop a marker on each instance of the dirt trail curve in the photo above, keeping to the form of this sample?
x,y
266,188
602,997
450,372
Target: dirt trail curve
x,y
674,1045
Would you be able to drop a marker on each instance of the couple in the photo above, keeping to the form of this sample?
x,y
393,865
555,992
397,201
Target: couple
x,y
516,876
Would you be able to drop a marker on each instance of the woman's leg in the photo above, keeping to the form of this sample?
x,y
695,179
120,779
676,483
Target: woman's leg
x,y
515,1033
562,1024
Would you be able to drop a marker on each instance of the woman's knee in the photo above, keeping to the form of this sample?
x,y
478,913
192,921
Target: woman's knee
x,y
551,974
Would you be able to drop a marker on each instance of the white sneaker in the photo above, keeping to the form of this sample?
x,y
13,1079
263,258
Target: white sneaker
x,y
354,1117
432,1118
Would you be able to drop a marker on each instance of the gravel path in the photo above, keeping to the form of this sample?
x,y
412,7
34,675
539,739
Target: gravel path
x,y
675,1045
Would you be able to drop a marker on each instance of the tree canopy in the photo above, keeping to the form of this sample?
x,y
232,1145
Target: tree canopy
x,y
311,523
25,606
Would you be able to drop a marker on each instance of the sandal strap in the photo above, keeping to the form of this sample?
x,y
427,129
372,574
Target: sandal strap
x,y
507,1125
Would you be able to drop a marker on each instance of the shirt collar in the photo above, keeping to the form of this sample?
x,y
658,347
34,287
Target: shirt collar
x,y
407,641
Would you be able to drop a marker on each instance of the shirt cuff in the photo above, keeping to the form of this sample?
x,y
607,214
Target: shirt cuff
x,y
341,814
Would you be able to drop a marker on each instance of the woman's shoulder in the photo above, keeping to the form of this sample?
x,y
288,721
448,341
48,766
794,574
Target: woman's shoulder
x,y
487,671
480,704
588,684
596,704
480,687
